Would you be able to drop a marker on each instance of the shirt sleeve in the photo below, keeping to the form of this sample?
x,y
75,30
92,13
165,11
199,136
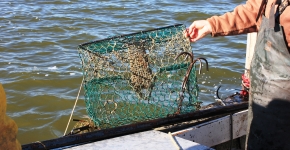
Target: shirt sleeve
x,y
241,20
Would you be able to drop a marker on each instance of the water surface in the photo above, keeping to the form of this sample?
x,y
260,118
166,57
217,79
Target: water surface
x,y
40,67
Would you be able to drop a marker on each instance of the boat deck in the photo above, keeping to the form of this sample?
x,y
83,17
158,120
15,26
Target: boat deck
x,y
143,141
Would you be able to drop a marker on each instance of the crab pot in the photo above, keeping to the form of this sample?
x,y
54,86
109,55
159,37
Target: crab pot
x,y
135,77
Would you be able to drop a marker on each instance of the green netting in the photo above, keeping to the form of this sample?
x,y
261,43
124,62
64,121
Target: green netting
x,y
135,77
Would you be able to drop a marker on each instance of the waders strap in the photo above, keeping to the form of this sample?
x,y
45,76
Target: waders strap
x,y
283,6
272,17
262,9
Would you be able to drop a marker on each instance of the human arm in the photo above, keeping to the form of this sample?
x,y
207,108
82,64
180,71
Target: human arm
x,y
241,20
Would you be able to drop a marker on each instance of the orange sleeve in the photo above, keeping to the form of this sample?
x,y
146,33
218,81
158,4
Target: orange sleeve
x,y
241,20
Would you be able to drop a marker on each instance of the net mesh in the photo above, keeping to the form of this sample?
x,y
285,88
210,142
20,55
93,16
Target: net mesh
x,y
135,77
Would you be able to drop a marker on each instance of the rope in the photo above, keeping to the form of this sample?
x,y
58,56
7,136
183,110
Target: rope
x,y
41,144
73,107
176,144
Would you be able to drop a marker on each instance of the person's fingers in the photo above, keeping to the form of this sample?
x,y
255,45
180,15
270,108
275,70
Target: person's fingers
x,y
191,34
185,33
203,30
192,40
191,28
194,33
201,33
197,30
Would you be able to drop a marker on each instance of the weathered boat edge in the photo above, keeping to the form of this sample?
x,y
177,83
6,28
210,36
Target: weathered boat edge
x,y
132,128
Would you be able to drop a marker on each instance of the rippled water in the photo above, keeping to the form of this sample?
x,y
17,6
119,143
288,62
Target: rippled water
x,y
39,64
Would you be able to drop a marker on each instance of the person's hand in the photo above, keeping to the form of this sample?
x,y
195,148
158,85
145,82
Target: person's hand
x,y
197,30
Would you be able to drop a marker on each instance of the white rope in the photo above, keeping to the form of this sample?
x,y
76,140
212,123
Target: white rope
x,y
173,140
73,107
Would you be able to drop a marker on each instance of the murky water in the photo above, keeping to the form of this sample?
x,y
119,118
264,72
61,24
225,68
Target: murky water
x,y
40,67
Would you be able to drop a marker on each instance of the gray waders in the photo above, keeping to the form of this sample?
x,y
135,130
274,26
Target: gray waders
x,y
269,105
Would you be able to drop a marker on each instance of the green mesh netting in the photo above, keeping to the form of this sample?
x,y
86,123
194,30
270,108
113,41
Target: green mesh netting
x,y
133,78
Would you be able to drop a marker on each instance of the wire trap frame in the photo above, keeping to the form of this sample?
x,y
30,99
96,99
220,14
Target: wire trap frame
x,y
137,77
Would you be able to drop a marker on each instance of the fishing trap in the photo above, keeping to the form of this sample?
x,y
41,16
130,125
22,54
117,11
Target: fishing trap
x,y
137,77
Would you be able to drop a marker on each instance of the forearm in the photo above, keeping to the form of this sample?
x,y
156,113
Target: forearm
x,y
241,20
